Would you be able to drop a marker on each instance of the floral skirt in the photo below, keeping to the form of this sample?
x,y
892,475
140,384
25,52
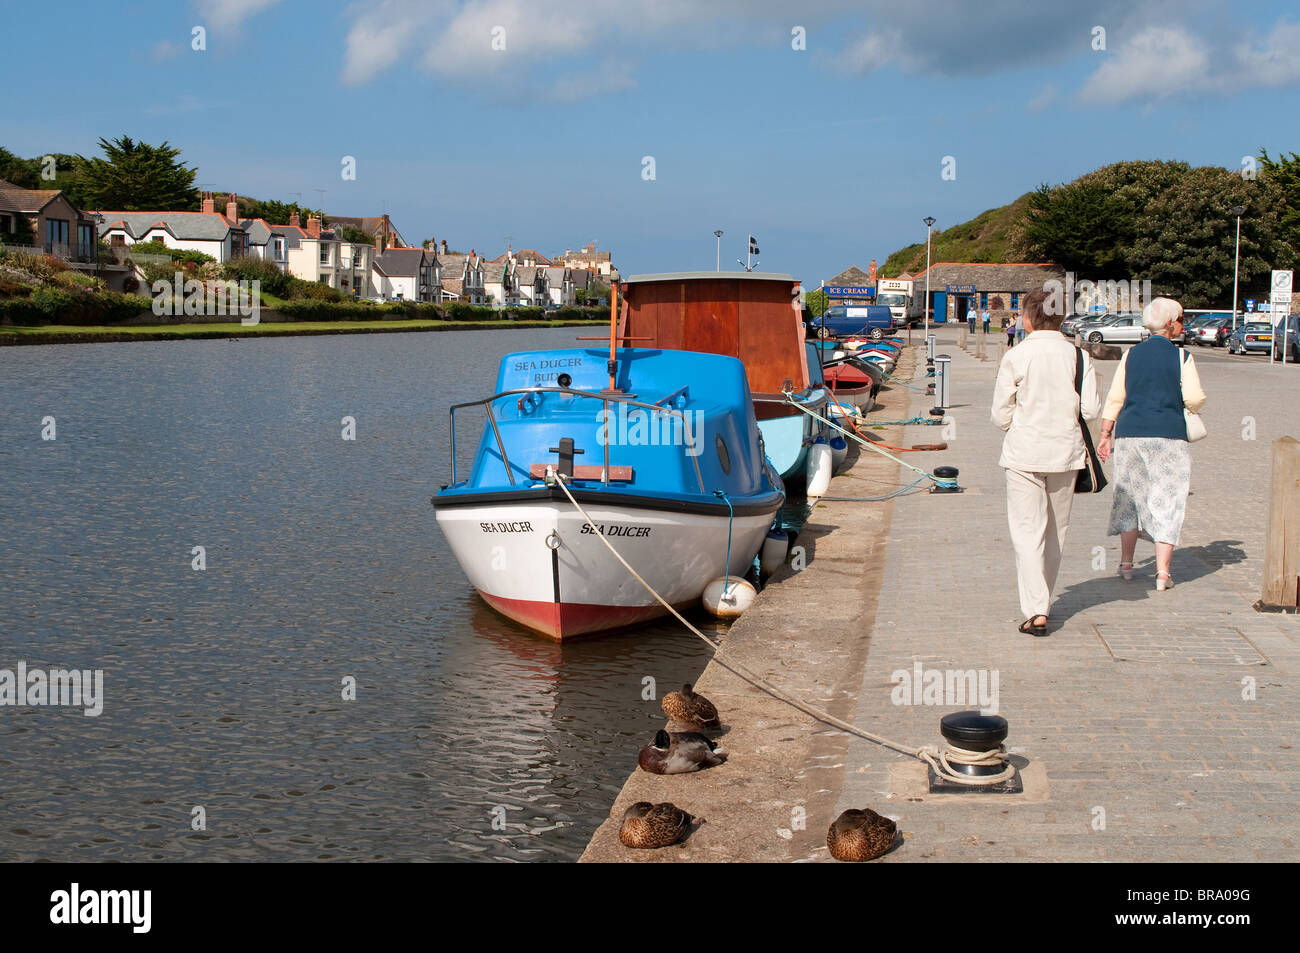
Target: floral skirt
x,y
1152,476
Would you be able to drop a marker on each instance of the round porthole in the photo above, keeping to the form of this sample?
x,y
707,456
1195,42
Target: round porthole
x,y
564,380
724,457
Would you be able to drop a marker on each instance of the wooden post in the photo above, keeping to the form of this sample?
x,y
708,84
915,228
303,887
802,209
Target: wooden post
x,y
1282,543
961,337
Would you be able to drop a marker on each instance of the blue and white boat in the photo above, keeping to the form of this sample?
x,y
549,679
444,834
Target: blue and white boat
x,y
755,317
665,456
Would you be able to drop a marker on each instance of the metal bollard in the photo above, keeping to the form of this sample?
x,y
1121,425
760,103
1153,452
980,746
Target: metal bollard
x,y
942,375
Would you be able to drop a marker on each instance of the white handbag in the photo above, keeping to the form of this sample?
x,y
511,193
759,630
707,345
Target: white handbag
x,y
1195,425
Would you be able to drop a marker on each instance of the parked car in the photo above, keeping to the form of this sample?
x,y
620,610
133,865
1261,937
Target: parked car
x,y
841,321
1290,341
1117,328
1190,324
1074,320
1213,330
1256,336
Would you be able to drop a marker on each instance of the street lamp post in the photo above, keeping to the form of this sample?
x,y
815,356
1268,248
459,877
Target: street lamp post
x,y
1237,210
929,224
718,264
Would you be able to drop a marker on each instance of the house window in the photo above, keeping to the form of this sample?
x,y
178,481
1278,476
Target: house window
x,y
7,224
1015,301
278,246
56,233
324,279
324,254
85,240
984,299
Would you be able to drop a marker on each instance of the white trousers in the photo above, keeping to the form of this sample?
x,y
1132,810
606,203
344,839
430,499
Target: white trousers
x,y
1038,514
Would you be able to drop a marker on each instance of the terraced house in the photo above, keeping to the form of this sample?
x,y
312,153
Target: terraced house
x,y
313,253
459,277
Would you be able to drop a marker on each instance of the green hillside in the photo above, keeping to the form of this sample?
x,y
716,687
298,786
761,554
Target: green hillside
x,y
992,236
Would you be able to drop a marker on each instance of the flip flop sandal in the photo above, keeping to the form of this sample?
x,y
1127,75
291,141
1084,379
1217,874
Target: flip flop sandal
x,y
1028,627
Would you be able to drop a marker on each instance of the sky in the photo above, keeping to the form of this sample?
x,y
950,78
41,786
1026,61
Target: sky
x,y
822,127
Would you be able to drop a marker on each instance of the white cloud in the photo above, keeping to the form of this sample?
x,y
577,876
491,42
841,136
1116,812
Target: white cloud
x,y
1043,98
1161,62
228,15
164,50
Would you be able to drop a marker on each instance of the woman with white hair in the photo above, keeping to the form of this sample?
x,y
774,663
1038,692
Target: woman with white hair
x,y
1143,424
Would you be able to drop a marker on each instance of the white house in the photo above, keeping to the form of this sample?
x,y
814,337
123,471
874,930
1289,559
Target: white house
x,y
207,231
316,254
405,274
460,277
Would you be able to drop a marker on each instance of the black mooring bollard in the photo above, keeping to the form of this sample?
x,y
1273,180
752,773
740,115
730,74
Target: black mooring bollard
x,y
946,474
975,732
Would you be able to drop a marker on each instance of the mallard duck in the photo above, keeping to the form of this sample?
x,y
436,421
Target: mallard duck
x,y
688,708
860,835
653,825
679,753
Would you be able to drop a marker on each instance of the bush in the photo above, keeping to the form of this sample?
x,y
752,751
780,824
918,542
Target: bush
x,y
76,279
273,280
54,305
299,290
156,247
316,310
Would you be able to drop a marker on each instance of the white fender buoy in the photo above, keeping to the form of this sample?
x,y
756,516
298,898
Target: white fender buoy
x,y
740,596
839,452
819,468
837,354
774,551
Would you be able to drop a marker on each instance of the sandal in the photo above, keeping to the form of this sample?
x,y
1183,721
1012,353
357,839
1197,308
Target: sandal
x,y
1164,581
1028,627
1126,570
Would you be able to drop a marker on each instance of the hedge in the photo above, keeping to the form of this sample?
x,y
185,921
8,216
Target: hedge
x,y
48,305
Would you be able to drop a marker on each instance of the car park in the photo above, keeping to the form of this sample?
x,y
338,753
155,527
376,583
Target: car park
x,y
1118,328
1074,320
1255,336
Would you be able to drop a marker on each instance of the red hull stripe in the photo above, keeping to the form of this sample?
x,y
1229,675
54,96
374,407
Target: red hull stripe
x,y
565,620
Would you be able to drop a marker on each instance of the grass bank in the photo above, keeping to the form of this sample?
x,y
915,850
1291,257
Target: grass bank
x,y
71,334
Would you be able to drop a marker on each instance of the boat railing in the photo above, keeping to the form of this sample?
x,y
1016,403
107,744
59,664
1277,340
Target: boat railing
x,y
604,397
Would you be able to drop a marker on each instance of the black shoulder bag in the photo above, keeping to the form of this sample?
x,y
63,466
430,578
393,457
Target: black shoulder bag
x,y
1091,479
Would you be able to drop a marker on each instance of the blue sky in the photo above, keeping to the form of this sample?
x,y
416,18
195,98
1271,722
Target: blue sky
x,y
829,155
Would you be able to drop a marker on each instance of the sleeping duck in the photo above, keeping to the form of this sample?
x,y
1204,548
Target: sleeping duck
x,y
653,825
860,835
679,753
690,709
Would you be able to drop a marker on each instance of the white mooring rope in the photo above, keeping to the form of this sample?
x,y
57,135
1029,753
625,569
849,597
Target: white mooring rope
x,y
940,759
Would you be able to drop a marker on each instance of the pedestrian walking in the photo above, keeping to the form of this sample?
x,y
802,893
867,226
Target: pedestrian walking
x,y
986,322
970,318
1035,401
1011,330
1145,426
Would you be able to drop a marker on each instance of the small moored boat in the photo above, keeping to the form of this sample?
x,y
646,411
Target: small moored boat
x,y
666,460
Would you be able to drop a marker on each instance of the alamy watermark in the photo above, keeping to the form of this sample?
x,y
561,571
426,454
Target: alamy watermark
x,y
1080,297
22,687
642,428
953,688
190,296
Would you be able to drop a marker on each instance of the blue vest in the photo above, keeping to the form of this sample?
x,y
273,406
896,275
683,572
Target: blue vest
x,y
1153,401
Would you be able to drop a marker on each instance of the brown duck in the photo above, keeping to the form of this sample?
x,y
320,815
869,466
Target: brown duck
x,y
688,708
653,825
679,753
860,835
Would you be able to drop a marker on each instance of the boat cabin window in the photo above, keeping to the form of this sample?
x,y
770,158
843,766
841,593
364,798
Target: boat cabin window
x,y
724,457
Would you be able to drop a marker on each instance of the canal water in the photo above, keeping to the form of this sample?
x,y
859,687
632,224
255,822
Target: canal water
x,y
224,733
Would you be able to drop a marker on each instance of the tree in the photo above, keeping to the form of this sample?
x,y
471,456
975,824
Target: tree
x,y
350,233
1284,172
135,176
816,302
273,212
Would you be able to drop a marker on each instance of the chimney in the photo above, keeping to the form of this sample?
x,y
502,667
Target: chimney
x,y
294,220
444,246
313,226
232,207
209,205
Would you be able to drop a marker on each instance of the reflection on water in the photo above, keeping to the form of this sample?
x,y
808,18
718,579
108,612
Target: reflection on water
x,y
224,687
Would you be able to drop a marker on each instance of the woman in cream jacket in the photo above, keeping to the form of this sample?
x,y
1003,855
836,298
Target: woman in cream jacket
x,y
1035,402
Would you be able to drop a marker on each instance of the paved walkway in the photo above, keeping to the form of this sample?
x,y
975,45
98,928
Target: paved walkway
x,y
1134,704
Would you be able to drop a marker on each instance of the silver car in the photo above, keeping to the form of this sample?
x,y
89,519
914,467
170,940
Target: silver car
x,y
1119,328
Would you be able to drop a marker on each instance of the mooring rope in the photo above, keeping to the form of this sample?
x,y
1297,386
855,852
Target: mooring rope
x,y
941,481
940,759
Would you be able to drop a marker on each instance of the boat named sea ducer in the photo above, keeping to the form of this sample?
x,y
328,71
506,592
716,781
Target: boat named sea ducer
x,y
666,458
